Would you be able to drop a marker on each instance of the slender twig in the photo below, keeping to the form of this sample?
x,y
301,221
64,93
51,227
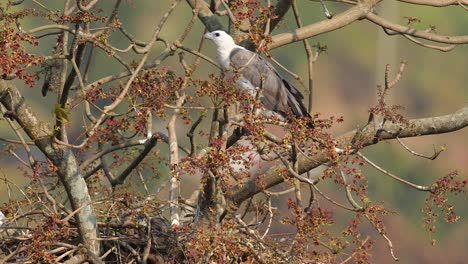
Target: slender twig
x,y
382,233
19,159
349,196
17,141
229,12
53,200
149,144
325,10
146,50
309,53
47,27
433,157
333,201
32,161
295,76
270,211
271,193
98,155
389,84
118,100
92,171
293,173
462,5
399,29
355,252
436,47
142,180
90,5
417,187
131,38
198,54
190,135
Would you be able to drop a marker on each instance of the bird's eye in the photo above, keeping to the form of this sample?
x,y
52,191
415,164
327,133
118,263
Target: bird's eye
x,y
217,34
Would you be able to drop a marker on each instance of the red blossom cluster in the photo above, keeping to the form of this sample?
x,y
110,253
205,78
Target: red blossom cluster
x,y
438,199
13,54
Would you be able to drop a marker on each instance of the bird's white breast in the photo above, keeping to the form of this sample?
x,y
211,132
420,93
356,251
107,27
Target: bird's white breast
x,y
223,58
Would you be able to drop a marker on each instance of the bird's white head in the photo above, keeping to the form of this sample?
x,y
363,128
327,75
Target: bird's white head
x,y
221,39
225,44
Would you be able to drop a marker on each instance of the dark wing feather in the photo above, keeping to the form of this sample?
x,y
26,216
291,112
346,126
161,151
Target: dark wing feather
x,y
278,95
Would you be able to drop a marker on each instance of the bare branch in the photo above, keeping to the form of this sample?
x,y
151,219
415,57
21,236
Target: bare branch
x,y
436,3
349,196
399,29
389,84
98,155
433,157
333,201
352,255
417,187
417,127
62,157
207,17
382,233
90,5
310,56
196,53
338,21
436,47
190,135
149,144
270,211
145,50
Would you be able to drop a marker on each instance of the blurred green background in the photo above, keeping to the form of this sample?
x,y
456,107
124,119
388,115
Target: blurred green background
x,y
434,83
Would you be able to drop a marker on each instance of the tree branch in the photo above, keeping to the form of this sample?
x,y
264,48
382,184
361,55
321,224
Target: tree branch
x,y
399,29
436,3
61,156
207,17
417,127
357,12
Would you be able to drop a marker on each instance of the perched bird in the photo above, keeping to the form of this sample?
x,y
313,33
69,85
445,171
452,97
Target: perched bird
x,y
256,73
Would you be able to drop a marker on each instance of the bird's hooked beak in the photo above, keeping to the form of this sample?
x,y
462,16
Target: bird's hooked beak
x,y
208,35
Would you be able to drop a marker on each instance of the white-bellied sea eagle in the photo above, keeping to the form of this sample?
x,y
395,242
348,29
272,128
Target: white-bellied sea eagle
x,y
257,73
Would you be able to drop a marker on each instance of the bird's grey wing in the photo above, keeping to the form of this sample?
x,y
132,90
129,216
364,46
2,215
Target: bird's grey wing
x,y
278,94
295,100
260,74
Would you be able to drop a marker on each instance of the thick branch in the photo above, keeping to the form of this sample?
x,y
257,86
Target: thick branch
x,y
357,12
416,33
417,127
61,156
207,17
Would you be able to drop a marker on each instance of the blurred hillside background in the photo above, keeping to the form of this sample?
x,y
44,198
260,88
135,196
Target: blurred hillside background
x,y
434,83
